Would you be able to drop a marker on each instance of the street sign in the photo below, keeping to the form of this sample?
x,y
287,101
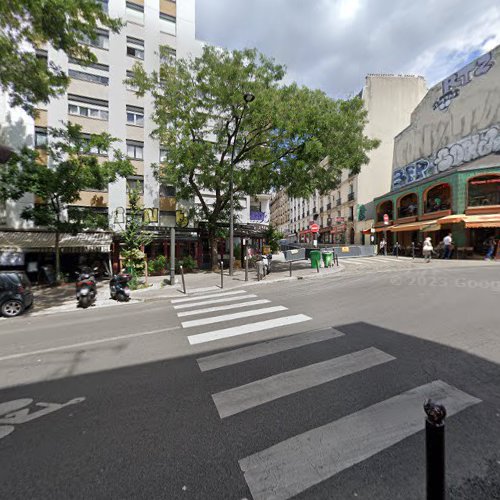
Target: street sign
x,y
386,219
314,228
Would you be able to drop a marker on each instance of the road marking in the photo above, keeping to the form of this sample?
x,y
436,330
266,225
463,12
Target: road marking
x,y
233,316
211,296
283,384
215,301
250,328
223,308
236,356
290,467
85,344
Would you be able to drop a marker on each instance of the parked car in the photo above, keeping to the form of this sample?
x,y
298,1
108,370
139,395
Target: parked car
x,y
15,293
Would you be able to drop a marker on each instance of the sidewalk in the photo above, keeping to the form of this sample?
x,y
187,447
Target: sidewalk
x,y
203,281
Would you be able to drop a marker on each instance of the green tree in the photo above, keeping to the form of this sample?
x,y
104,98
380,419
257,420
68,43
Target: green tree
x,y
26,24
134,238
72,167
273,236
206,119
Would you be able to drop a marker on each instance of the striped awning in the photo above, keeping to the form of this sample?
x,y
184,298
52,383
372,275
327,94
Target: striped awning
x,y
411,226
452,219
478,221
43,241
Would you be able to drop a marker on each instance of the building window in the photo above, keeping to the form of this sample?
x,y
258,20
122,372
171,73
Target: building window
x,y
167,23
167,53
135,116
135,184
135,48
167,191
135,150
484,190
100,40
130,86
163,154
94,150
88,77
40,137
135,12
88,107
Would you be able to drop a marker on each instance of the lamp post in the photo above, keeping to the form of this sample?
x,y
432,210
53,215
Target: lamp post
x,y
247,98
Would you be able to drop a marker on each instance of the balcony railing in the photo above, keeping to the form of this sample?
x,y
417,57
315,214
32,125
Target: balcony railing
x,y
329,206
350,197
339,202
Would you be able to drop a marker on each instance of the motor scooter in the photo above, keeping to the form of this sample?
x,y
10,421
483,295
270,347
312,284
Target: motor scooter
x,y
86,288
118,287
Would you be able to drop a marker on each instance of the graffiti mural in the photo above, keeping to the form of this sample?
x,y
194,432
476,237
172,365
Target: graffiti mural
x,y
461,78
468,149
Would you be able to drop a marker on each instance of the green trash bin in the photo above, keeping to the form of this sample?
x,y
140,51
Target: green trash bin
x,y
315,256
327,258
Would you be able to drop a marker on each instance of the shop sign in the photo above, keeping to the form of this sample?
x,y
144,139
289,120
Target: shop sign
x,y
256,216
345,249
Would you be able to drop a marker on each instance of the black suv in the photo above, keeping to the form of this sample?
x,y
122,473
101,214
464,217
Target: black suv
x,y
15,293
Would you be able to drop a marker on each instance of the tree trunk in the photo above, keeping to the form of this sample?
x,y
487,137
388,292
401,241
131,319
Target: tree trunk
x,y
212,239
58,258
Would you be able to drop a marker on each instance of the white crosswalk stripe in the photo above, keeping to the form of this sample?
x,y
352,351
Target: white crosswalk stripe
x,y
211,296
290,467
223,308
248,328
214,301
232,316
263,391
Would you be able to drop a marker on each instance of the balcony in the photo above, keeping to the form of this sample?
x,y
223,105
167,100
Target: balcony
x,y
339,202
329,206
350,197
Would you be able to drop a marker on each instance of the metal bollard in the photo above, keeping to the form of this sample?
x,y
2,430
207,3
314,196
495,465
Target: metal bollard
x,y
435,450
290,269
246,267
412,250
183,282
222,274
317,266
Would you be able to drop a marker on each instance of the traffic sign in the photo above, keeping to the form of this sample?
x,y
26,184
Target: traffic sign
x,y
386,219
314,228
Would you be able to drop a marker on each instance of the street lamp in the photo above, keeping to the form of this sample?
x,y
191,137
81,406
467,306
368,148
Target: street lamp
x,y
247,97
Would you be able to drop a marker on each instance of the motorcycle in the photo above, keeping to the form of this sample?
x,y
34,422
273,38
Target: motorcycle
x,y
86,288
118,287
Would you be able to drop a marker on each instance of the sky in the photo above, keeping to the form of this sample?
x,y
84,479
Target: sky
x,y
333,44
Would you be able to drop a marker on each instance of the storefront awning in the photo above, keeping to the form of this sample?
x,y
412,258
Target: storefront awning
x,y
451,219
42,241
431,226
411,226
383,228
478,221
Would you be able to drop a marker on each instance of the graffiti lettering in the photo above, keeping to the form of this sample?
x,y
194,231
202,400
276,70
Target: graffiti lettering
x,y
461,78
468,149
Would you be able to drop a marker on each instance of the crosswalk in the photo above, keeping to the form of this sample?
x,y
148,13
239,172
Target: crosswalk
x,y
379,263
290,466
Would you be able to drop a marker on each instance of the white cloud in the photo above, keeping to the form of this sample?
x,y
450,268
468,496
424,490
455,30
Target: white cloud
x,y
333,44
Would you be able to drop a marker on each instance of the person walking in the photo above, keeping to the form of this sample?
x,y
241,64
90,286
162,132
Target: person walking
x,y
447,242
427,249
490,244
382,246
395,250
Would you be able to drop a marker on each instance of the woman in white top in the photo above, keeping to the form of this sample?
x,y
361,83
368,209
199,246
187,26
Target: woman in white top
x,y
427,249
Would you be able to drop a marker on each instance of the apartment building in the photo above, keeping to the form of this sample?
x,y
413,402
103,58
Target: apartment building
x,y
98,99
280,212
346,215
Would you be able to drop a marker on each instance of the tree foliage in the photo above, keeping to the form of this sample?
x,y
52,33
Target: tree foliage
x,y
134,238
70,166
273,236
278,140
26,24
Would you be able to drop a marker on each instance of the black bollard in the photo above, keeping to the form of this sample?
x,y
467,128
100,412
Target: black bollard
x,y
222,274
435,450
412,250
290,269
246,267
183,282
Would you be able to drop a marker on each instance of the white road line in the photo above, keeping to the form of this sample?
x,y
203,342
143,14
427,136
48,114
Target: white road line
x,y
211,296
233,316
215,301
290,467
283,384
262,349
223,308
250,328
85,344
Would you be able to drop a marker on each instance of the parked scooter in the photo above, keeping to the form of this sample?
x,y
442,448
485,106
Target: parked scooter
x,y
86,288
118,287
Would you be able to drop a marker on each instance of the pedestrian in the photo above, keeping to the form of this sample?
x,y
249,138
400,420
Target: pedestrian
x,y
382,246
427,249
395,250
447,242
490,244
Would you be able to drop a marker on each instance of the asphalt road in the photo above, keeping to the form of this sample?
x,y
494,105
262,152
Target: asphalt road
x,y
304,389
